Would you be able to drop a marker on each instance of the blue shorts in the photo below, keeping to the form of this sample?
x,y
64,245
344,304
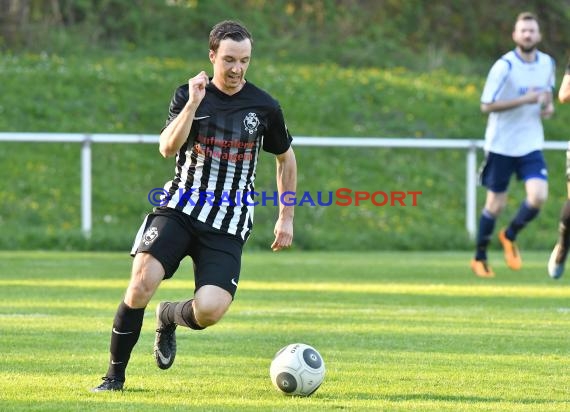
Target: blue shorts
x,y
496,171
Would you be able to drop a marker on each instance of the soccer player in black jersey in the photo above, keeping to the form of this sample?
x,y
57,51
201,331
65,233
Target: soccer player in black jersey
x,y
216,128
560,252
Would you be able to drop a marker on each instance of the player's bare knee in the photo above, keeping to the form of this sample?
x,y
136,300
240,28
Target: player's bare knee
x,y
495,203
146,275
206,320
138,294
210,317
210,304
495,209
537,201
141,289
208,314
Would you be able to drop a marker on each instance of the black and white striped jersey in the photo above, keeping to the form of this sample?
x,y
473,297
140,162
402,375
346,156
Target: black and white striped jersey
x,y
215,168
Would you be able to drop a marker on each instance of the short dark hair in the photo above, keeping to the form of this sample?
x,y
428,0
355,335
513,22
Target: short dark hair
x,y
228,29
527,15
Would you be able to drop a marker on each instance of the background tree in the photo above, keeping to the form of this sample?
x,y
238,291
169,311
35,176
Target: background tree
x,y
418,34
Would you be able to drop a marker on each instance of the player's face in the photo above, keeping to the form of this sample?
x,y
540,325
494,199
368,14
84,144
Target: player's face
x,y
526,35
231,61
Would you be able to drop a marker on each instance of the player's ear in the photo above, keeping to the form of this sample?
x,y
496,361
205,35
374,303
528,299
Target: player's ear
x,y
212,56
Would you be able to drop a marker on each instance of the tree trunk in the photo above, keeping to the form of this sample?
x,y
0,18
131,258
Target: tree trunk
x,y
14,17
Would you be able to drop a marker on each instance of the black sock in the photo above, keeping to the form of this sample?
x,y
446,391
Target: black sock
x,y
184,314
486,227
127,327
524,215
564,224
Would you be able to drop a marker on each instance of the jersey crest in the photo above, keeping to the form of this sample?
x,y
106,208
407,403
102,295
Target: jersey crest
x,y
251,122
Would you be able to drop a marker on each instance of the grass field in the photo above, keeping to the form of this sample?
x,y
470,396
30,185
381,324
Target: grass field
x,y
397,331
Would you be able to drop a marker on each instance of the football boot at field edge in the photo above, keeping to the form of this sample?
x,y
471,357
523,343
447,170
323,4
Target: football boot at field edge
x,y
556,262
109,384
511,251
482,269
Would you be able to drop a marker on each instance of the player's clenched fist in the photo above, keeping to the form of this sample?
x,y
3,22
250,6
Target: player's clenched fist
x,y
197,87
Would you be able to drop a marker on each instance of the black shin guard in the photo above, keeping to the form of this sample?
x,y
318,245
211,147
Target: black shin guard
x,y
127,327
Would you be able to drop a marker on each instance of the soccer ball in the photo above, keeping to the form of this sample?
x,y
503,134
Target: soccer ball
x,y
297,369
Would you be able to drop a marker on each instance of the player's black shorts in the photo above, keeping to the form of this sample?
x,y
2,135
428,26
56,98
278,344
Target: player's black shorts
x,y
170,235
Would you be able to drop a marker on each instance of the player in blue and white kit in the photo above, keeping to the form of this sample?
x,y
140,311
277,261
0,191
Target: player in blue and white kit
x,y
517,96
560,251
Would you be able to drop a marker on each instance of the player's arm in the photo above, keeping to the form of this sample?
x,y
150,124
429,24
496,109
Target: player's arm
x,y
547,105
546,100
491,100
530,97
564,92
286,182
175,134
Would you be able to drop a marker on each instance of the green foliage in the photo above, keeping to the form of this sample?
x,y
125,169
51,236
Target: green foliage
x,y
417,332
415,34
41,184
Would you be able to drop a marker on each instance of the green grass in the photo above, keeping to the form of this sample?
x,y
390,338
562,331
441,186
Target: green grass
x,y
397,331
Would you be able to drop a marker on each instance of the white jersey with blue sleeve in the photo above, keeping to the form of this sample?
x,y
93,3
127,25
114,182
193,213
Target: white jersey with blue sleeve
x,y
518,131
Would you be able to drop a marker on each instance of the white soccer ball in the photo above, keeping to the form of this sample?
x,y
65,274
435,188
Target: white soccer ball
x,y
297,369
